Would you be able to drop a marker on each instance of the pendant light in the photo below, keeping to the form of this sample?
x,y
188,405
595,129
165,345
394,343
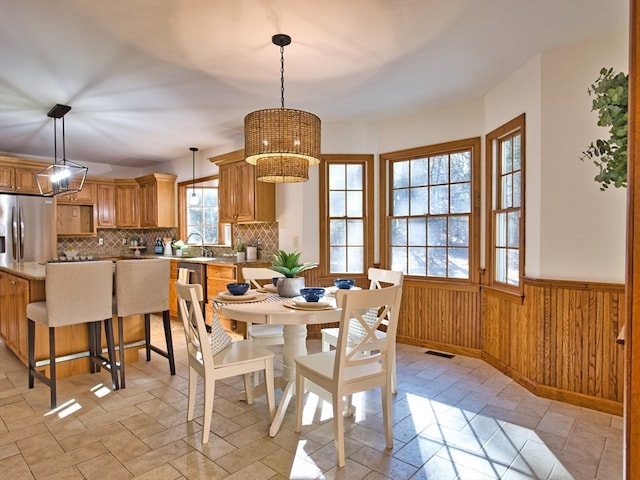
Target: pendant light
x,y
64,177
281,142
194,200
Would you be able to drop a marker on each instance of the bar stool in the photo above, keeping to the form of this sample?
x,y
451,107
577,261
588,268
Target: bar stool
x,y
142,288
76,293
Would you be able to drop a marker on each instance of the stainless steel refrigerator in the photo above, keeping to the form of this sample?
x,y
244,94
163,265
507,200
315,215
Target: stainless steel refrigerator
x,y
27,228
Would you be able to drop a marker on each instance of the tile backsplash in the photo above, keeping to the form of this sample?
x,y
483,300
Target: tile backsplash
x,y
112,245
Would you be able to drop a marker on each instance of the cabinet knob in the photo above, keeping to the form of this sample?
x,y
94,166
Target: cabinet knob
x,y
13,282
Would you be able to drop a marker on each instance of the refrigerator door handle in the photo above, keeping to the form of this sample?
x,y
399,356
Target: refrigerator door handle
x,y
21,233
14,234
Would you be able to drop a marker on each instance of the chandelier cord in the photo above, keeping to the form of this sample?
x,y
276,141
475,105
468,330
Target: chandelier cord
x,y
282,76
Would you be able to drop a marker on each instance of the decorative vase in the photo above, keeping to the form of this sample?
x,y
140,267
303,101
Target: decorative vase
x,y
240,256
290,286
178,252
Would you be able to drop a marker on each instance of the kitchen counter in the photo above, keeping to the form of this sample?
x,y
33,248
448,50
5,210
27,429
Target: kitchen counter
x,y
36,270
26,270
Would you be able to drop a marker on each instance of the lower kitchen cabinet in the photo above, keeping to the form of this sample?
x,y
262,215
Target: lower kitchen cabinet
x,y
217,278
15,294
173,297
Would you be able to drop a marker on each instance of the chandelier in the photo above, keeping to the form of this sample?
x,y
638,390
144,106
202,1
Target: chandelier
x,y
281,142
61,177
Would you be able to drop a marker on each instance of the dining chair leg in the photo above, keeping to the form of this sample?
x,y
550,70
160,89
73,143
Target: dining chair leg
x,y
338,428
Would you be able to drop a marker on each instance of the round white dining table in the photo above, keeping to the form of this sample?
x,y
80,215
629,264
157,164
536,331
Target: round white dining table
x,y
273,312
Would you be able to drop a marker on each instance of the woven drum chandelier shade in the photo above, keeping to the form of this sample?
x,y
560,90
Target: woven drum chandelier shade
x,y
281,142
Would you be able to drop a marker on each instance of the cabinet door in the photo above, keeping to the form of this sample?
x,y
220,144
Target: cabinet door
x,y
7,178
25,178
127,205
86,196
106,205
13,319
148,205
173,297
226,186
244,193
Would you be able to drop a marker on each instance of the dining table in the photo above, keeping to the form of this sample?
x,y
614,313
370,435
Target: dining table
x,y
294,316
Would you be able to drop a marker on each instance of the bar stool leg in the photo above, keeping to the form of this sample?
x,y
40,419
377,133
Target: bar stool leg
x,y
108,327
31,338
166,320
52,365
121,351
147,335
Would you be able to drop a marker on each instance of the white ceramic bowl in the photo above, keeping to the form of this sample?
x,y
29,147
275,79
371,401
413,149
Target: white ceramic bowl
x,y
71,253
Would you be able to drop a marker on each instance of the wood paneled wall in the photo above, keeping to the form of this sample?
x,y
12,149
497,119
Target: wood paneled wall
x,y
560,341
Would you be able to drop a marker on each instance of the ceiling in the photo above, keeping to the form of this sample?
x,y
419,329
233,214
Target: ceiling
x,y
147,79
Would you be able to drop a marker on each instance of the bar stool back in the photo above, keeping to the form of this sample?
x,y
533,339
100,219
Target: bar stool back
x,y
76,293
142,288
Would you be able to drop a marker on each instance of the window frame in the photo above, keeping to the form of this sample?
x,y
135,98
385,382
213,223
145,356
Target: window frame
x,y
367,161
183,204
386,187
493,141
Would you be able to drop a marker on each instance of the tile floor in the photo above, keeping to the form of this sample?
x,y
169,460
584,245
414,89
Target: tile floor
x,y
453,418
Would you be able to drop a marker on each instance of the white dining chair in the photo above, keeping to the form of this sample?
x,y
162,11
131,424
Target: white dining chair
x,y
378,278
354,366
216,356
262,334
76,293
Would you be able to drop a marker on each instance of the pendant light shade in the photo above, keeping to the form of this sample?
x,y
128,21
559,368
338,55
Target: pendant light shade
x,y
61,177
281,142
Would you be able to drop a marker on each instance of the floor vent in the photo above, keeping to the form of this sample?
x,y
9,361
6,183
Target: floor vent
x,y
439,354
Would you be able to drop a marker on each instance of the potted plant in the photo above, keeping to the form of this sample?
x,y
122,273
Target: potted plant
x,y
178,245
240,248
611,91
289,265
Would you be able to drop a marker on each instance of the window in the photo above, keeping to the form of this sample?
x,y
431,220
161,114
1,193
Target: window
x,y
432,226
505,159
345,206
201,215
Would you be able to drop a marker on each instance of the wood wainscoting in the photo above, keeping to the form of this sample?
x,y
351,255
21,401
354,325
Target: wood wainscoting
x,y
560,340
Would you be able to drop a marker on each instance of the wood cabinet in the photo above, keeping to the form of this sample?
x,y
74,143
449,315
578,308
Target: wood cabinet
x,y
16,177
86,196
157,200
217,278
106,204
173,297
241,197
15,294
127,204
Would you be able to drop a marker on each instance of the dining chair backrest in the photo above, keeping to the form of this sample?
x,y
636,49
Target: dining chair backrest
x,y
380,277
195,332
359,350
142,286
78,292
252,275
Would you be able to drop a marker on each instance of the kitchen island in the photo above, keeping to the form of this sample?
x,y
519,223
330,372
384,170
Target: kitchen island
x,y
23,283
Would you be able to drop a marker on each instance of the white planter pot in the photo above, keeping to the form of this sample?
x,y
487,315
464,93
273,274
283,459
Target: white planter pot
x,y
240,256
290,287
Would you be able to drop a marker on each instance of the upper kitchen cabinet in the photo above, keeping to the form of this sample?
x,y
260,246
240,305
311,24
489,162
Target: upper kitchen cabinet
x,y
127,204
157,200
86,196
241,197
18,177
106,203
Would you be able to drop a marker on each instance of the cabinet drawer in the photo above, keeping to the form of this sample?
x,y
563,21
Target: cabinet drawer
x,y
222,272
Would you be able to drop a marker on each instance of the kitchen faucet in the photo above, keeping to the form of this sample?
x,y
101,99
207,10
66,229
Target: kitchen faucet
x,y
203,250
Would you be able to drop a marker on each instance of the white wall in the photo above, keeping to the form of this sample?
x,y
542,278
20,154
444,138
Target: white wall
x,y
521,93
583,229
